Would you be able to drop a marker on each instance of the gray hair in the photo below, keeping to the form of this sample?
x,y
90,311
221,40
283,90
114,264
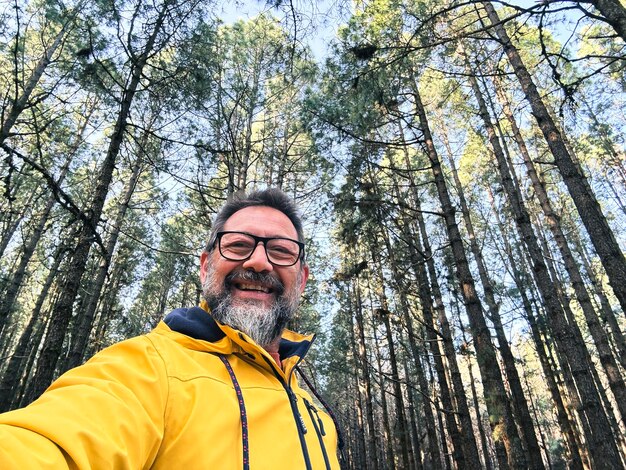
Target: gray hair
x,y
270,197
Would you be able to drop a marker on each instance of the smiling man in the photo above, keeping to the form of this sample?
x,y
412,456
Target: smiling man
x,y
212,386
253,280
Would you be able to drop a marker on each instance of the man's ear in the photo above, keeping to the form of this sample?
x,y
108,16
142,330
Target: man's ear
x,y
204,265
305,276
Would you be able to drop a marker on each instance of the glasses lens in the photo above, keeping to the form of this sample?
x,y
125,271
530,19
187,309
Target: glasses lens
x,y
282,251
236,246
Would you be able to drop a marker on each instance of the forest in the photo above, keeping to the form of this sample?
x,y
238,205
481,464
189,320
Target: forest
x,y
459,165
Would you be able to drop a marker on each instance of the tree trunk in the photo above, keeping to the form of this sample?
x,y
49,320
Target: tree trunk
x,y
575,460
564,334
519,400
607,314
598,334
500,416
463,443
12,222
614,14
8,301
402,428
468,452
484,444
360,401
11,378
21,100
372,447
63,309
600,232
388,446
433,455
533,409
84,323
247,150
384,315
416,459
614,431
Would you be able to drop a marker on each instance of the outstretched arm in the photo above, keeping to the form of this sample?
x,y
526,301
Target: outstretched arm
x,y
107,413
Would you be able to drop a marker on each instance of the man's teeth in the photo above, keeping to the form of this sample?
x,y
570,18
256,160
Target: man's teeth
x,y
253,287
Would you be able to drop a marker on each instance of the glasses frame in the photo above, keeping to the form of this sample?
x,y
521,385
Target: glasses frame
x,y
257,240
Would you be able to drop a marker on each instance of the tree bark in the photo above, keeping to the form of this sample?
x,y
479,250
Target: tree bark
x,y
602,449
501,420
11,391
519,400
402,427
412,418
389,447
12,222
484,444
600,232
433,454
373,447
463,443
21,100
84,322
607,315
63,309
600,339
435,459
8,301
467,453
521,281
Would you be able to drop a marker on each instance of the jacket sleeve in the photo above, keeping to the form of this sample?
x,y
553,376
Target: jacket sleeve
x,y
107,413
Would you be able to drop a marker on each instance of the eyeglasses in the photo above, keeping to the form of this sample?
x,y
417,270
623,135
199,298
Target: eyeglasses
x,y
239,246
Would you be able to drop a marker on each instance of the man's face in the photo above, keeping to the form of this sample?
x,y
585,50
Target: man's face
x,y
254,295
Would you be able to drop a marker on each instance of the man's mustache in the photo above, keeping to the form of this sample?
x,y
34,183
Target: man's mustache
x,y
262,278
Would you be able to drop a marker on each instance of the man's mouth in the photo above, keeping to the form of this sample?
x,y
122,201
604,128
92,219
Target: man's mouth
x,y
252,287
250,281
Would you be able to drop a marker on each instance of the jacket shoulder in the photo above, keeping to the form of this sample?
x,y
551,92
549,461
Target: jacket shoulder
x,y
68,423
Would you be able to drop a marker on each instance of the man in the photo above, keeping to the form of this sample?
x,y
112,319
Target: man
x,y
215,391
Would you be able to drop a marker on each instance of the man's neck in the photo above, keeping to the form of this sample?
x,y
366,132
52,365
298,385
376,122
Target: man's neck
x,y
272,349
273,346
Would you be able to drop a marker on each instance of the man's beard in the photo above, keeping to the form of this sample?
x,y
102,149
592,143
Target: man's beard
x,y
264,324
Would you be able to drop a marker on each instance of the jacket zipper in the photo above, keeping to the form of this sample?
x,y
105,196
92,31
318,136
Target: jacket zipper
x,y
293,401
318,429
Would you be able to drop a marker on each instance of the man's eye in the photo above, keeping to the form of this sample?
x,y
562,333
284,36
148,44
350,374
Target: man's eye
x,y
238,245
283,250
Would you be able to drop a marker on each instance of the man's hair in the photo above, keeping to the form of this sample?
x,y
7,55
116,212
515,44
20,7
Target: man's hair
x,y
270,197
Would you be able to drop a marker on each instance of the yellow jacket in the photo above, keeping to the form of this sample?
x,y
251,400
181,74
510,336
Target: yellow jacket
x,y
166,400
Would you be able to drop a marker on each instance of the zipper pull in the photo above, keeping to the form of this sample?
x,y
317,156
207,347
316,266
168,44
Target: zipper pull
x,y
294,400
304,430
319,420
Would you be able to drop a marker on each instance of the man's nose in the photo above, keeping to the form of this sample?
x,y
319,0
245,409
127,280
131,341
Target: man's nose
x,y
258,261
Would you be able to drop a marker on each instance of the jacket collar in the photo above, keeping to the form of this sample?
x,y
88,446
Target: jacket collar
x,y
197,323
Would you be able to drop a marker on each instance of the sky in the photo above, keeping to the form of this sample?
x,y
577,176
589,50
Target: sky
x,y
319,19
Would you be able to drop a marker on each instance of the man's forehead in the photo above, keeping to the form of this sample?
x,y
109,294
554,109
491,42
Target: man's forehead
x,y
256,219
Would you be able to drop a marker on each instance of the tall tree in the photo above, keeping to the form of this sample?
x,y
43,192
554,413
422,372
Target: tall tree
x,y
574,178
168,17
565,336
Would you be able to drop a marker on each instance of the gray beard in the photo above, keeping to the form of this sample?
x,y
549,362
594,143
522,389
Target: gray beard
x,y
263,324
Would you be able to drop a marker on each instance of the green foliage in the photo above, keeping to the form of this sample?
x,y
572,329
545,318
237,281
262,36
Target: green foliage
x,y
227,107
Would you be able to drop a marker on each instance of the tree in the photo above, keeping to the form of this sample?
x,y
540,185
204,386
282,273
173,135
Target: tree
x,y
589,210
168,18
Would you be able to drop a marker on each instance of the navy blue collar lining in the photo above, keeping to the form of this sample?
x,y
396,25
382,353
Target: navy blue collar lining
x,y
198,324
288,348
195,323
